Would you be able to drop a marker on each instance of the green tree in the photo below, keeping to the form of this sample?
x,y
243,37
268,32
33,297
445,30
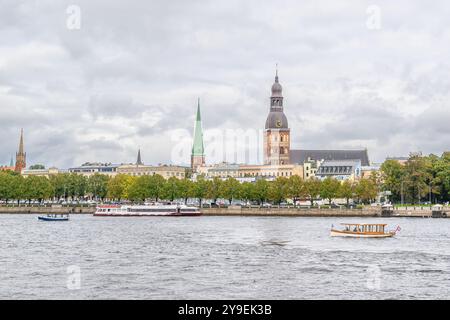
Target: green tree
x,y
10,186
248,191
296,188
171,189
37,188
185,189
441,177
418,177
279,190
347,191
119,186
393,173
230,189
76,186
139,190
199,189
329,189
97,185
60,183
261,190
214,189
312,189
156,186
366,190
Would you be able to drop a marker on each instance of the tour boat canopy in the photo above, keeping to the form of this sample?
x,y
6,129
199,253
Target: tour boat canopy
x,y
364,224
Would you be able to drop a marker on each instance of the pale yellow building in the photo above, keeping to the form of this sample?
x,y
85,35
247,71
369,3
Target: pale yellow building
x,y
40,172
221,170
368,171
284,170
166,171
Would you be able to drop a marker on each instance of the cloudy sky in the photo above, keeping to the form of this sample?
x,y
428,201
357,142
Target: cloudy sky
x,y
355,74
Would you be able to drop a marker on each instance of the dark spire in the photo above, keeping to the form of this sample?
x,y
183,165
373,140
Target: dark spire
x,y
21,156
21,142
139,160
197,146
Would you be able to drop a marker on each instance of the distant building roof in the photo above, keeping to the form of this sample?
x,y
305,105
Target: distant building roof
x,y
300,156
338,167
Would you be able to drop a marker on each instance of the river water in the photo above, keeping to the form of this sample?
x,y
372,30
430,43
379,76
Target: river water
x,y
220,258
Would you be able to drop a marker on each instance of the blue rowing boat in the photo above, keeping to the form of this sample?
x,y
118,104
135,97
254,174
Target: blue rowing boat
x,y
54,218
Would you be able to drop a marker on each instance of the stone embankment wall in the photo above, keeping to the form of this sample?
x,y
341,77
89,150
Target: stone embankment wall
x,y
292,212
313,212
45,210
238,211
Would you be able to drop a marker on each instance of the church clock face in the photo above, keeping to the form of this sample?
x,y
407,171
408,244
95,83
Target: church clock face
x,y
278,123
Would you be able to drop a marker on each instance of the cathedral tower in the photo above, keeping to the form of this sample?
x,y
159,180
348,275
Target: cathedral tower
x,y
277,138
198,150
21,156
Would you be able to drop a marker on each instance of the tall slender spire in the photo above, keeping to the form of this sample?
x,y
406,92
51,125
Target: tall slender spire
x,y
21,156
276,73
21,141
139,160
198,150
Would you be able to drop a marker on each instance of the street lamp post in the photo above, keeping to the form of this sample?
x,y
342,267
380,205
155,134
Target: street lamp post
x,y
401,192
430,194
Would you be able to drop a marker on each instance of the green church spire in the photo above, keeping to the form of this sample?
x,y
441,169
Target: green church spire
x,y
197,147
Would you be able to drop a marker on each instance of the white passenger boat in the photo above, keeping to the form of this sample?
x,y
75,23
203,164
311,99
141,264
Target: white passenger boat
x,y
146,210
367,230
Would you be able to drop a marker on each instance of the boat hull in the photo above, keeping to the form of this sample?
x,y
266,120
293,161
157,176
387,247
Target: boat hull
x,y
52,219
152,214
350,234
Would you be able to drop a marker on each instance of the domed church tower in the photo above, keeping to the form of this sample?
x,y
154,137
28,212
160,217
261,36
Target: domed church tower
x,y
277,133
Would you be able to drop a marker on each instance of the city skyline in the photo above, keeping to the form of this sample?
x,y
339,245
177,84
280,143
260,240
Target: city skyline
x,y
98,94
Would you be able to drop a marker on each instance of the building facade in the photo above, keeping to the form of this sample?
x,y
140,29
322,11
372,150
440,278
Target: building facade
x,y
340,170
369,171
90,168
301,156
274,171
310,167
241,171
277,135
221,170
41,172
166,171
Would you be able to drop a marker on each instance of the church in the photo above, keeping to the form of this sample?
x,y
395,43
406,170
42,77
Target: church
x,y
279,159
277,137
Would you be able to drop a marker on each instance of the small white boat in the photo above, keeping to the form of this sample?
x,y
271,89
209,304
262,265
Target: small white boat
x,y
367,230
54,217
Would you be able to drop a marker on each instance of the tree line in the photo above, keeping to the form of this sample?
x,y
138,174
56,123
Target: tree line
x,y
418,179
413,181
14,187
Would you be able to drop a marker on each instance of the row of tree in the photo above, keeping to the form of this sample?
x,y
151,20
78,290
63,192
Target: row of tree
x,y
125,187
420,178
61,186
416,180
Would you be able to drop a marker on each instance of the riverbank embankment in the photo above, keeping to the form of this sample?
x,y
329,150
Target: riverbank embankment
x,y
246,211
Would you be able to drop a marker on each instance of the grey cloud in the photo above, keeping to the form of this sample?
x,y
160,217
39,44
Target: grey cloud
x,y
134,70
